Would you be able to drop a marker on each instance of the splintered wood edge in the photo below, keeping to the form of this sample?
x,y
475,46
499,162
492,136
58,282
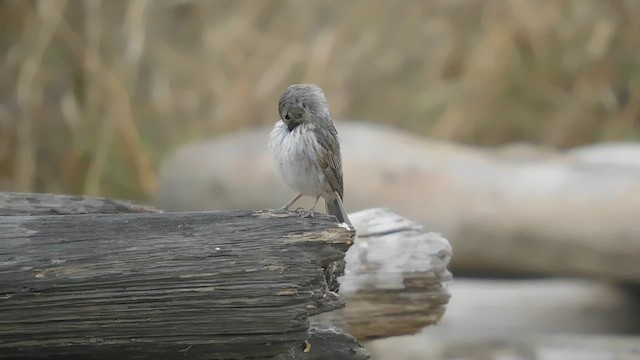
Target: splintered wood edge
x,y
327,342
334,232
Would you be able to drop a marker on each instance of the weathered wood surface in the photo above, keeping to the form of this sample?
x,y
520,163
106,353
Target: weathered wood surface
x,y
395,280
328,343
165,285
15,204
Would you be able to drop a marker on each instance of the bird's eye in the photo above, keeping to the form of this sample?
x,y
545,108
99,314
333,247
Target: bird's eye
x,y
287,117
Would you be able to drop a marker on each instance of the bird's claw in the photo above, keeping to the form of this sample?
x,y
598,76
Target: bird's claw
x,y
309,214
284,210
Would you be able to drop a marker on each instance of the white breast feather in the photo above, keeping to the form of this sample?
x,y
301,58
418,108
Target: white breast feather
x,y
295,156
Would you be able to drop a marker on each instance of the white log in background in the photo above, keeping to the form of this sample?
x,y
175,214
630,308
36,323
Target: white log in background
x,y
519,209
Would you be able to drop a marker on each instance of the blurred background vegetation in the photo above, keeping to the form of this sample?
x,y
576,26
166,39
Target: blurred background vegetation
x,y
93,94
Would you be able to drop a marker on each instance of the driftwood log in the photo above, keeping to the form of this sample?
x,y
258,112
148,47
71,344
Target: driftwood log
x,y
236,284
395,282
396,277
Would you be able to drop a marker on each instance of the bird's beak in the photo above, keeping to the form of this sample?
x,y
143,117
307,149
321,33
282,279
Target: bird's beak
x,y
291,124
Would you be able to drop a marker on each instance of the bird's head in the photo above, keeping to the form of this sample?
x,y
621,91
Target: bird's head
x,y
303,103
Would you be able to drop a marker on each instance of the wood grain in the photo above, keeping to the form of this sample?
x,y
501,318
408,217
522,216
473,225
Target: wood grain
x,y
194,285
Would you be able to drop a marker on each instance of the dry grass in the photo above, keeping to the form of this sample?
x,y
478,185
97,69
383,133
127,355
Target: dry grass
x,y
94,93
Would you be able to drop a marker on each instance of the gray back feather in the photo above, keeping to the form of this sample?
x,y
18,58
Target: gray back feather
x,y
330,160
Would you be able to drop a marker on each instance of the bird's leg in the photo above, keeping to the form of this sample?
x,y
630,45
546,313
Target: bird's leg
x,y
286,207
312,211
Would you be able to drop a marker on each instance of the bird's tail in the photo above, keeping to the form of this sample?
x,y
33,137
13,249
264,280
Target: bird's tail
x,y
335,208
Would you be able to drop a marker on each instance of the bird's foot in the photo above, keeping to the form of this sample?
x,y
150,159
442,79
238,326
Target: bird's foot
x,y
284,210
309,214
281,210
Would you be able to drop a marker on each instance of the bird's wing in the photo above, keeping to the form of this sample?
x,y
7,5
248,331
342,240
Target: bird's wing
x,y
330,159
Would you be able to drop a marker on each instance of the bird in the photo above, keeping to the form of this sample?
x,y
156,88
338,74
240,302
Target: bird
x,y
305,150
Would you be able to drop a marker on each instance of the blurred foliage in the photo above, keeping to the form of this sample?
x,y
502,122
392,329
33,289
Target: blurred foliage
x,y
94,93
